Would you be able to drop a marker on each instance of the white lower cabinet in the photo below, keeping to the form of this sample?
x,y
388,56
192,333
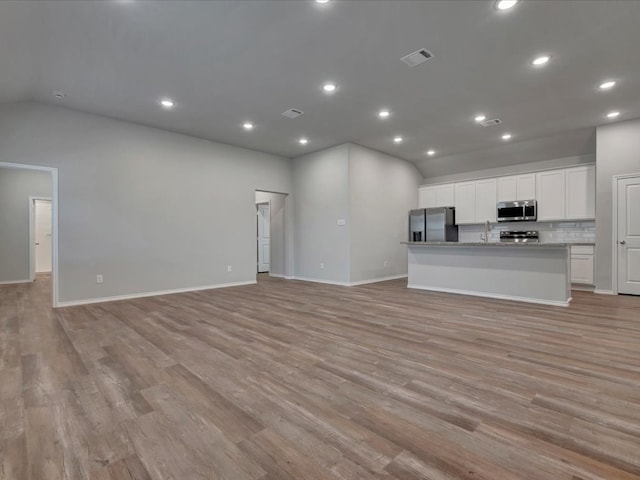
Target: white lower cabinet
x,y
582,264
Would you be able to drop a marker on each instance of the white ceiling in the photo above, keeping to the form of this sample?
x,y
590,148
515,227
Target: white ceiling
x,y
226,62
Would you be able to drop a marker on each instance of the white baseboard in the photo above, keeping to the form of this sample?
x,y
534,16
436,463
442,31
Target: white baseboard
x,y
151,294
348,284
376,280
604,292
12,282
582,287
555,303
277,275
316,280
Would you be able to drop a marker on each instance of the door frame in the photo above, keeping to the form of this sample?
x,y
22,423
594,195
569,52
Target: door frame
x,y
614,229
54,222
288,231
268,202
32,235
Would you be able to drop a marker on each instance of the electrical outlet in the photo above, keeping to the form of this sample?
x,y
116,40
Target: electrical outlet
x,y
385,263
99,279
229,268
322,266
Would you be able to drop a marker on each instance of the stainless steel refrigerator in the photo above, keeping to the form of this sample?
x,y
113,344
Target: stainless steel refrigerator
x,y
433,225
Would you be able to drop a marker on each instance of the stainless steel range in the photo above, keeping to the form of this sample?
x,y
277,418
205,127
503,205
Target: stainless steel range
x,y
521,236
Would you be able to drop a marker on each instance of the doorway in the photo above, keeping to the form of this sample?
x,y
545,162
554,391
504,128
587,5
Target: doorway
x,y
273,234
627,240
20,186
41,236
264,236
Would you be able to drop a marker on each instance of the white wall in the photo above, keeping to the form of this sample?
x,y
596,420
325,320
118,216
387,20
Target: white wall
x,y
277,240
373,193
382,190
149,209
321,197
617,153
16,186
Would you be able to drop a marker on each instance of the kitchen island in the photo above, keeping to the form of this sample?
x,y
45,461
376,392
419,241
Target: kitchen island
x,y
528,272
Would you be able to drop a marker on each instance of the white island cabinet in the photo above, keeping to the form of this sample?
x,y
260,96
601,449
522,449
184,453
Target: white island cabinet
x,y
537,273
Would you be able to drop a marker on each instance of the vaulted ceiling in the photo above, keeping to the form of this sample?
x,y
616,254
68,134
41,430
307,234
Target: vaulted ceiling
x,y
228,62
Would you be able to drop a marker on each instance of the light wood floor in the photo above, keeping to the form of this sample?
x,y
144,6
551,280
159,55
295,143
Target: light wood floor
x,y
293,380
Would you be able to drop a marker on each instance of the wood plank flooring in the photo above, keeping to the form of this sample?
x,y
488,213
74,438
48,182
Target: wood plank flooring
x,y
291,380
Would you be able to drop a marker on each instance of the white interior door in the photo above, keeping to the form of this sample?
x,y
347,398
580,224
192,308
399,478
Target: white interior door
x,y
629,236
42,221
264,241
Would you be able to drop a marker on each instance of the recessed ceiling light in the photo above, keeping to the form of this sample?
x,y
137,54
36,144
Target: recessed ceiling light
x,y
480,118
613,114
303,141
329,87
607,85
397,139
506,4
541,60
167,103
431,153
247,126
384,113
506,136
59,95
322,1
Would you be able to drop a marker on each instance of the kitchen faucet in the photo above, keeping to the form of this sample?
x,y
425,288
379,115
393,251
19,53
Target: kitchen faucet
x,y
487,228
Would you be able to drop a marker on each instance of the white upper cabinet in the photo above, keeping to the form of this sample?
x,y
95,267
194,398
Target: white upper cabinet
x,y
436,196
527,187
465,196
486,192
445,195
517,187
550,193
426,197
562,194
580,192
508,189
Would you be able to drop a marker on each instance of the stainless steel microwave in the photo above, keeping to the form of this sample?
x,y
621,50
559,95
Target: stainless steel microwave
x,y
519,211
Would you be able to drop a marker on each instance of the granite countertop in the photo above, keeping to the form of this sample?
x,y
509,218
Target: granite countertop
x,y
491,244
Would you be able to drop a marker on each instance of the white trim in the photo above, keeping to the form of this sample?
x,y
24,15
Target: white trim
x,y
348,284
32,235
582,287
555,303
376,280
604,292
14,282
277,275
54,222
614,229
131,296
317,280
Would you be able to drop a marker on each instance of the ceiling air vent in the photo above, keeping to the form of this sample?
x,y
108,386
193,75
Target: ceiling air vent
x,y
416,58
493,121
292,113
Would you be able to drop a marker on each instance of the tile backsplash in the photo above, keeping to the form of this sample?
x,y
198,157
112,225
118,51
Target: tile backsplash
x,y
561,231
